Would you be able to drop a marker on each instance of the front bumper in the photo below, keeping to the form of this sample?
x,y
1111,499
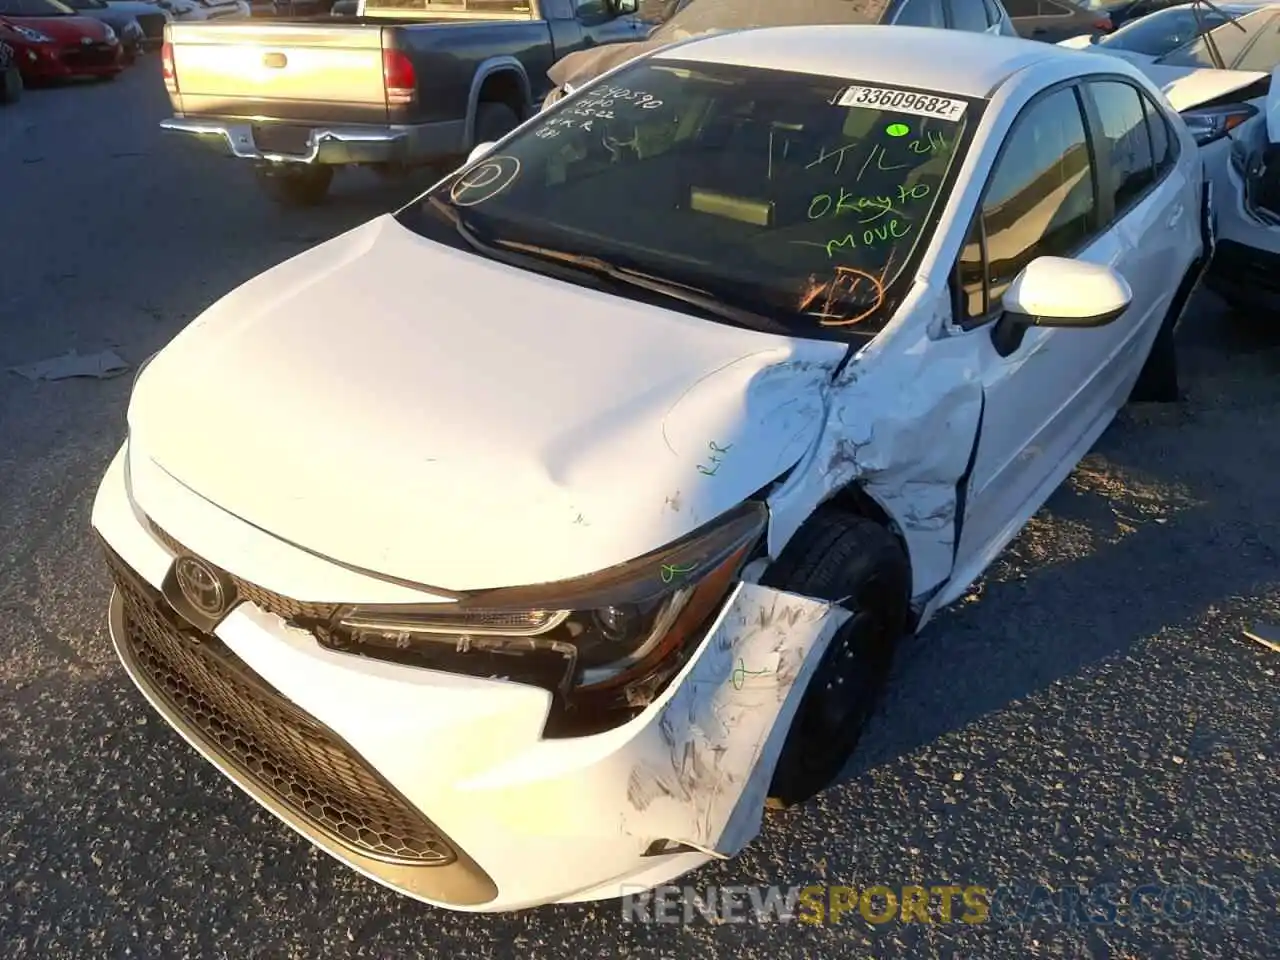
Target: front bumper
x,y
1246,264
49,62
439,786
330,145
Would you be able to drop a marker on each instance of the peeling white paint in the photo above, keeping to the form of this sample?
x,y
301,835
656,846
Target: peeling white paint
x,y
704,767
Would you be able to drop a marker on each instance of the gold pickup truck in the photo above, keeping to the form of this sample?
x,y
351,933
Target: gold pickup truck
x,y
403,83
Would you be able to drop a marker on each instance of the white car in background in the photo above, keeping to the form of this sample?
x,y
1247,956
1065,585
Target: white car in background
x,y
571,512
1234,114
186,11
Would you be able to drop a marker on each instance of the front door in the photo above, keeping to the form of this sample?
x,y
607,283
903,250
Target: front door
x,y
608,21
1045,391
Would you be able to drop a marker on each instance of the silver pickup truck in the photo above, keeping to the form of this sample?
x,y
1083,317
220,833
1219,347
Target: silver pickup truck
x,y
403,83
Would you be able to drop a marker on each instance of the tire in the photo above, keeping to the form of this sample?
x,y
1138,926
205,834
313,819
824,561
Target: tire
x,y
304,187
11,85
493,122
839,555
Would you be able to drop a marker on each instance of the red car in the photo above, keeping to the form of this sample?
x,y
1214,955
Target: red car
x,y
51,42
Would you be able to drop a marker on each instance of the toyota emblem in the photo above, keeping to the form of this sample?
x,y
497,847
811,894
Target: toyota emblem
x,y
200,586
86,41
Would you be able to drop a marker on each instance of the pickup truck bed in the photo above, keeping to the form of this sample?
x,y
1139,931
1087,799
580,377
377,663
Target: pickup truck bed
x,y
301,96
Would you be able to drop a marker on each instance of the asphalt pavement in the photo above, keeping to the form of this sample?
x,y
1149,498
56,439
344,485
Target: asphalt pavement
x,y
1091,715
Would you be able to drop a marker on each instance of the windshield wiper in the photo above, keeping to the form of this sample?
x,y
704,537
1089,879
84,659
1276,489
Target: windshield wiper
x,y
599,267
694,296
1214,53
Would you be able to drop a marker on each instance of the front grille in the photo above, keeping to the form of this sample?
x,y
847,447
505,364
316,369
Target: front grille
x,y
285,753
286,608
152,25
92,55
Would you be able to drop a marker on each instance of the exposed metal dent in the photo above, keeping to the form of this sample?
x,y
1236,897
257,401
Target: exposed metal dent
x,y
708,760
902,427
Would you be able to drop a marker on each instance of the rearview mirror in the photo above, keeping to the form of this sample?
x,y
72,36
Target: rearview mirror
x,y
1059,292
479,150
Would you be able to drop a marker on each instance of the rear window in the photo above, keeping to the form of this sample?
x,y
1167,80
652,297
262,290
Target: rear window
x,y
1232,40
1160,32
808,199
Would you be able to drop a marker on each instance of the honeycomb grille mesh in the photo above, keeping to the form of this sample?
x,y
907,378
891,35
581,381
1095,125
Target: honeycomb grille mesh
x,y
286,608
283,751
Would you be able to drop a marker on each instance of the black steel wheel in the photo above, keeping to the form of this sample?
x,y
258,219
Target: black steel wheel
x,y
840,556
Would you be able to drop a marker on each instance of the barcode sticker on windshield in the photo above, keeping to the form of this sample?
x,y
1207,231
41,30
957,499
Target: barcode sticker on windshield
x,y
903,101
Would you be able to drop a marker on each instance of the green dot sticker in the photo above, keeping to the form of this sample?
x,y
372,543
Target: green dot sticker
x,y
897,129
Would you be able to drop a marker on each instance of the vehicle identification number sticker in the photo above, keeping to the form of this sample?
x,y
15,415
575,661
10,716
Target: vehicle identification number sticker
x,y
903,101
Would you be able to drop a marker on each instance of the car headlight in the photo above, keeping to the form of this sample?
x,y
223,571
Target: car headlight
x,y
1208,124
109,35
35,36
605,644
132,29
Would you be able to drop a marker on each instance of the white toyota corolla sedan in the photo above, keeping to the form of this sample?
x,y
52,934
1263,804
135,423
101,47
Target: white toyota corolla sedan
x,y
558,523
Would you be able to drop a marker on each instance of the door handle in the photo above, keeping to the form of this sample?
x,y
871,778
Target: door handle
x,y
1176,216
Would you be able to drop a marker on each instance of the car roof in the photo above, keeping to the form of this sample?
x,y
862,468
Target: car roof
x,y
951,61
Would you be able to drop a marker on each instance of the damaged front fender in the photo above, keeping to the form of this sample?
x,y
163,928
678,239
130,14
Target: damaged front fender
x,y
699,774
903,427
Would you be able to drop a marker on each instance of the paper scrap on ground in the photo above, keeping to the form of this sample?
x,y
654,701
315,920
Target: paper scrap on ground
x,y
100,366
1265,634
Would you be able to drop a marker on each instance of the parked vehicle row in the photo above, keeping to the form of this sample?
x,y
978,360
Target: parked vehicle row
x,y
1226,67
50,40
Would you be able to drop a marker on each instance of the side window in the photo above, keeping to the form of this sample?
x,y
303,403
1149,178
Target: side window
x,y
594,11
1038,201
1022,8
1164,150
1130,169
968,15
921,13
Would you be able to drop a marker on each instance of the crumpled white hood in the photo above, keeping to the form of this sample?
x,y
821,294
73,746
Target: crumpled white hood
x,y
431,415
1187,87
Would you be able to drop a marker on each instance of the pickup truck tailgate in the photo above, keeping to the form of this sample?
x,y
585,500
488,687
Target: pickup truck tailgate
x,y
283,72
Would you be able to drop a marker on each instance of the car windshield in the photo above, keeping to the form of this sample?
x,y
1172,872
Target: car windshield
x,y
1241,49
694,17
805,199
1160,32
34,8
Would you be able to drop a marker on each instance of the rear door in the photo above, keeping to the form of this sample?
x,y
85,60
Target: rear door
x,y
1050,20
296,71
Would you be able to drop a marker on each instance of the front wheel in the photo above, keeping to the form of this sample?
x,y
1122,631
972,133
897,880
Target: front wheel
x,y
840,557
303,186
